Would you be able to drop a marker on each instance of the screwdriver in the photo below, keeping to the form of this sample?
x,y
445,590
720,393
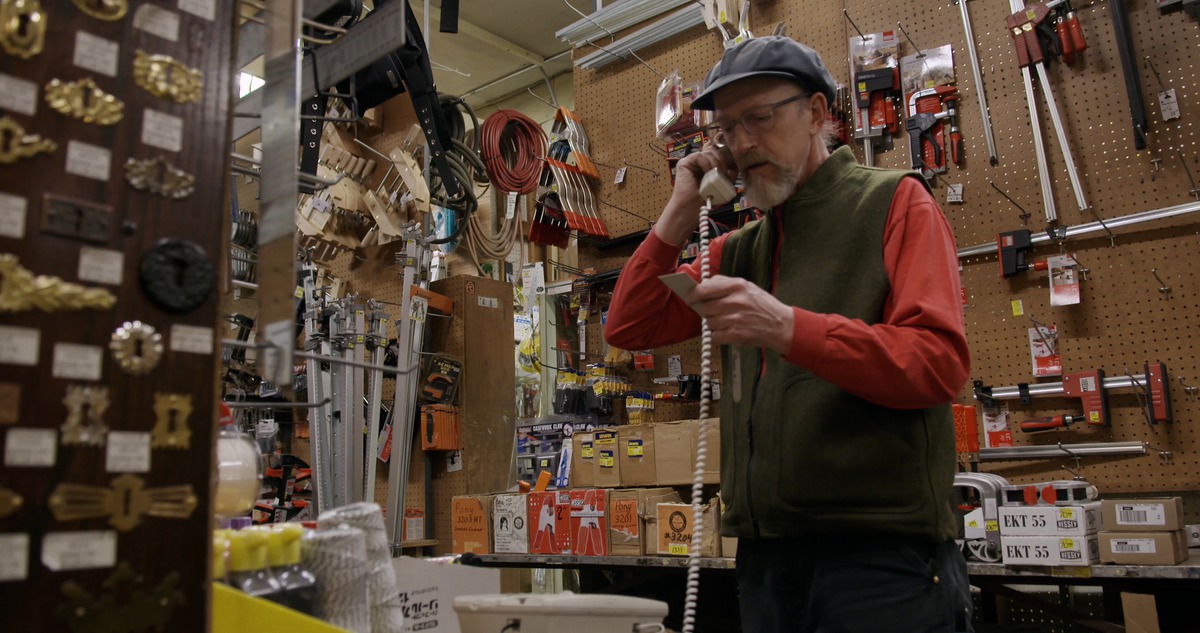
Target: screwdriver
x,y
1052,422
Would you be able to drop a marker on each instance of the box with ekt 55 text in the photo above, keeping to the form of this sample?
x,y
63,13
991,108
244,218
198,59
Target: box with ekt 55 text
x,y
1050,551
1050,520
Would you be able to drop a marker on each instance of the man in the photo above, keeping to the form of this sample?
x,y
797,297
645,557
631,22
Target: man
x,y
842,345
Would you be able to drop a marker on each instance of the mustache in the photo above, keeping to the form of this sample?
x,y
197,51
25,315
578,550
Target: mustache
x,y
748,160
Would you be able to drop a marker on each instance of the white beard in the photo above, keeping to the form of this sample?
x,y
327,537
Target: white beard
x,y
763,194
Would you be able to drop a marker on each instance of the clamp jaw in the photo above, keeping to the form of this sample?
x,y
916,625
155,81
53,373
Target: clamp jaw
x,y
924,126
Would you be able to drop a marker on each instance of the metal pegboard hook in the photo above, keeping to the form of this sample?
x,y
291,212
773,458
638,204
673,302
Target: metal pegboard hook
x,y
629,164
1077,458
535,95
846,13
1162,285
1041,331
920,55
1025,215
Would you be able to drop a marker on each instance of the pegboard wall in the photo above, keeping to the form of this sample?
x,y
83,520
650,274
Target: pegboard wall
x,y
1124,320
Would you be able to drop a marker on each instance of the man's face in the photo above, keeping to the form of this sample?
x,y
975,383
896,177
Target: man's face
x,y
773,163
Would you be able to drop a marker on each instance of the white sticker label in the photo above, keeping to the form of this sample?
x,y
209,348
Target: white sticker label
x,y
127,452
88,161
1133,546
66,551
14,557
101,265
206,9
13,210
162,130
620,178
1141,514
191,339
674,365
954,193
489,302
96,53
510,205
454,461
19,345
77,362
30,448
1168,104
18,95
157,21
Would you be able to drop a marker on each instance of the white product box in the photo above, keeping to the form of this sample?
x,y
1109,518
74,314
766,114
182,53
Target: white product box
x,y
1051,551
1050,520
510,529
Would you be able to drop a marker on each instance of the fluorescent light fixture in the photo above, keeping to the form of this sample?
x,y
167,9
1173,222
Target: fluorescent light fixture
x,y
613,18
665,28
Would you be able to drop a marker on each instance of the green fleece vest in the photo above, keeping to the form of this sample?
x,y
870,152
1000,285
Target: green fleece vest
x,y
800,456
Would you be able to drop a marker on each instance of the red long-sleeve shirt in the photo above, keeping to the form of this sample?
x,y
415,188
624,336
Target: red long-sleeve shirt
x,y
915,357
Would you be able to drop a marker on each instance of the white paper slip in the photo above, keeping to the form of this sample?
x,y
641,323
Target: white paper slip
x,y
101,265
77,362
96,53
157,21
13,210
30,448
66,551
191,339
206,9
19,345
679,283
162,130
88,161
18,95
127,452
14,557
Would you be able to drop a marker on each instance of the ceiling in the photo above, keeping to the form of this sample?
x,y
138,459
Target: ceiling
x,y
501,48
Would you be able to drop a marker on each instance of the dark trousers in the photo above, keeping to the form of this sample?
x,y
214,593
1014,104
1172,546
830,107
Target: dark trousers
x,y
861,585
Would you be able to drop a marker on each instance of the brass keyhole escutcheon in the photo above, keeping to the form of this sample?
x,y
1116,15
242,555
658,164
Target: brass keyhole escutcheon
x,y
137,347
107,10
171,411
22,27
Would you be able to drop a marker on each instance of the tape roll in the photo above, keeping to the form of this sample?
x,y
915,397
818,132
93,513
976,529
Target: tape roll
x,y
238,475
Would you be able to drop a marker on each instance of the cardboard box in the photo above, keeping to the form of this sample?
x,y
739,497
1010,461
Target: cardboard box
x,y
1143,515
635,447
589,522
550,522
427,590
728,543
471,522
675,529
510,529
583,452
1143,548
675,452
1141,613
628,511
1050,551
1193,535
1050,520
606,467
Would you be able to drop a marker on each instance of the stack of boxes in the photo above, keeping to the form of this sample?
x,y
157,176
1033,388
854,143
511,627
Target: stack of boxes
x,y
1144,532
620,501
1049,534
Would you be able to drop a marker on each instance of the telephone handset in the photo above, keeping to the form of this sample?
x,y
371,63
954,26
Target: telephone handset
x,y
715,185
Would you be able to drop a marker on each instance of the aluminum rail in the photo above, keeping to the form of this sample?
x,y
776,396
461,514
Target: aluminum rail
x,y
1091,449
1094,227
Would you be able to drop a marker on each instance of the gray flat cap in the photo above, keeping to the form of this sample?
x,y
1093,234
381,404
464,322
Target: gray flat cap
x,y
774,56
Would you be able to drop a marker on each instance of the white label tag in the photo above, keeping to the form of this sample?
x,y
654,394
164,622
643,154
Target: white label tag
x,y
418,309
1168,105
127,452
18,95
510,205
489,302
620,178
954,193
101,265
454,461
157,21
1141,514
674,365
14,557
30,448
19,345
13,210
96,53
88,161
77,362
162,130
191,339
66,551
206,9
1133,546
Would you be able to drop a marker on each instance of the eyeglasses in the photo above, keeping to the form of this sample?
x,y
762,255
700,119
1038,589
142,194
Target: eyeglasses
x,y
756,122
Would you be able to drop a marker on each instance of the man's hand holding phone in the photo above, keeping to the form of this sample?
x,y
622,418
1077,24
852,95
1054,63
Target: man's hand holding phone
x,y
680,217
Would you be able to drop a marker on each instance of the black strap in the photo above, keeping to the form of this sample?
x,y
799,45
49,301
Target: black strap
x,y
449,19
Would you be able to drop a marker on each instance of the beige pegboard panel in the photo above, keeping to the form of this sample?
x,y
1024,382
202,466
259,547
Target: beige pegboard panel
x,y
1124,321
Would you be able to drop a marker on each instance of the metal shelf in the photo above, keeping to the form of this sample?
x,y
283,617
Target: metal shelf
x,y
1187,570
547,560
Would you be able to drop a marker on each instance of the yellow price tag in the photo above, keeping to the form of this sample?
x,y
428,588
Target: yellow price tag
x,y
636,449
1018,307
677,549
1066,513
587,451
993,526
606,459
299,292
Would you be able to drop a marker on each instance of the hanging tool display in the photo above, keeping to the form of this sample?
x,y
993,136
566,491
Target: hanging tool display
x,y
875,72
980,93
928,110
1023,27
1091,388
1133,82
